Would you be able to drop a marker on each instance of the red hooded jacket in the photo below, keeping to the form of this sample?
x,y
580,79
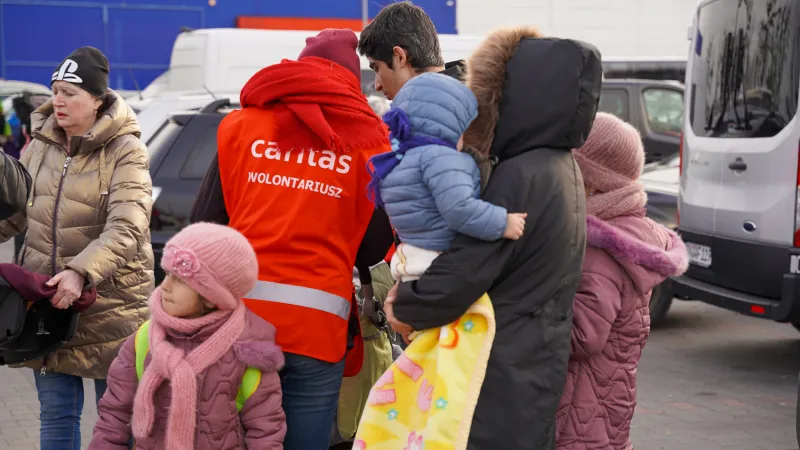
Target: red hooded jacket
x,y
293,172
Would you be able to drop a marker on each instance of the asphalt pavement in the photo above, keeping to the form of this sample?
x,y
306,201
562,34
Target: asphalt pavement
x,y
709,379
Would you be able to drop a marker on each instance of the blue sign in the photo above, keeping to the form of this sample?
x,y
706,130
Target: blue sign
x,y
137,36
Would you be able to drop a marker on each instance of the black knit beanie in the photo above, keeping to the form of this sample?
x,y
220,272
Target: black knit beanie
x,y
86,67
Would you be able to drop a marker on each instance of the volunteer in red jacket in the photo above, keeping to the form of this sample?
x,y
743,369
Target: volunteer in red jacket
x,y
293,174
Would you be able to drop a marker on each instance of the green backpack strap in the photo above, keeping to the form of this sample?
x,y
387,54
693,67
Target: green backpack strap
x,y
141,345
250,380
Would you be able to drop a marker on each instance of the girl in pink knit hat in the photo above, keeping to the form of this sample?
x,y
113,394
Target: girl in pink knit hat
x,y
627,255
200,347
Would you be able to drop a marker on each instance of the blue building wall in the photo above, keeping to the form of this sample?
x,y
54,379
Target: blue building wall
x,y
137,35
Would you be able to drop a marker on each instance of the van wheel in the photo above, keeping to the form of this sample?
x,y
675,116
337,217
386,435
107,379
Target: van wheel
x,y
660,302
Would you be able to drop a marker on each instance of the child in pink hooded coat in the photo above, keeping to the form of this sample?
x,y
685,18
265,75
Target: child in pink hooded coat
x,y
627,255
202,339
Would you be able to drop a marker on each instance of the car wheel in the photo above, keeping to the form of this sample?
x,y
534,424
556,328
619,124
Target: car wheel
x,y
660,302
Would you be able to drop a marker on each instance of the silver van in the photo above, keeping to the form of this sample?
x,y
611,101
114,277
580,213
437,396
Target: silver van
x,y
739,202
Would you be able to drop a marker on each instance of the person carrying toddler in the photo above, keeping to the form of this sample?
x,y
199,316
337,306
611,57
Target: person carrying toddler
x,y
428,187
430,191
202,373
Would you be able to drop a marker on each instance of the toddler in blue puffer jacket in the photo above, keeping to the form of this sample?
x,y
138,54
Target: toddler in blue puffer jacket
x,y
428,187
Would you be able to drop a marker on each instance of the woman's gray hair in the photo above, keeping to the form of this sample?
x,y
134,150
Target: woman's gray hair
x,y
379,104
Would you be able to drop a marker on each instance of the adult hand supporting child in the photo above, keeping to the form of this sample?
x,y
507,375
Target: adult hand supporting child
x,y
401,328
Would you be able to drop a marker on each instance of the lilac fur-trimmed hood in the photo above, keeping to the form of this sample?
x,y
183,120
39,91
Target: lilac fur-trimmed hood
x,y
649,252
257,348
264,356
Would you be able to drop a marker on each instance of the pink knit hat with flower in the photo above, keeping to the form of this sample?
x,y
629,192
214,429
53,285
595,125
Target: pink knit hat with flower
x,y
216,261
613,155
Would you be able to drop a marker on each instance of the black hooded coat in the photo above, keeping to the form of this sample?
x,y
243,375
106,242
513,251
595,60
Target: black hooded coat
x,y
537,100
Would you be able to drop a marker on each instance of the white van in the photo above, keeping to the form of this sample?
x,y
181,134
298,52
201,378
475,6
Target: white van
x,y
221,60
739,204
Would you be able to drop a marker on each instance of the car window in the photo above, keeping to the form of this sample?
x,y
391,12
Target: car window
x,y
746,68
203,152
664,108
615,101
163,138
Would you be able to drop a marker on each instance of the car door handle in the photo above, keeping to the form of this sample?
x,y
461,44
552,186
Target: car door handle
x,y
738,165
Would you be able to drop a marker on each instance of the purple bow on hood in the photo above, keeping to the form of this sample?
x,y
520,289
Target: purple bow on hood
x,y
402,140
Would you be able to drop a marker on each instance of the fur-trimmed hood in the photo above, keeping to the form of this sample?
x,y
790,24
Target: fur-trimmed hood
x,y
256,346
533,92
647,251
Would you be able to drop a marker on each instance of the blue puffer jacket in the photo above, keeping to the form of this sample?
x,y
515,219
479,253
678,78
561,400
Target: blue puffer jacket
x,y
433,193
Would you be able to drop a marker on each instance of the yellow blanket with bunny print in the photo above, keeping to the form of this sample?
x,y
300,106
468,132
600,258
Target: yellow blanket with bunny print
x,y
428,396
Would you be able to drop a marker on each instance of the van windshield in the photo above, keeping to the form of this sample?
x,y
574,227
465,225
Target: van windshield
x,y
746,68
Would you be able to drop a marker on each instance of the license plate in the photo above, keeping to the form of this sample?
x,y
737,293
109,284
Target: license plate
x,y
699,255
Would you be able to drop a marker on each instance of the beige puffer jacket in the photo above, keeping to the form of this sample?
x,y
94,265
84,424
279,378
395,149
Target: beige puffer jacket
x,y
93,209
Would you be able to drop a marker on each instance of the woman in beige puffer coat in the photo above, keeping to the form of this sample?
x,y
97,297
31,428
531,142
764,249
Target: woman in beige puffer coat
x,y
88,215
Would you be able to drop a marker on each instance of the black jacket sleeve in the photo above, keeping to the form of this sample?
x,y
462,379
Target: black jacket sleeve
x,y
455,280
16,183
376,243
460,275
209,204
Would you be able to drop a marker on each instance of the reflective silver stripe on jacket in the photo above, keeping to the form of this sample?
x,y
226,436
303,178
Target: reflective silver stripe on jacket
x,y
300,296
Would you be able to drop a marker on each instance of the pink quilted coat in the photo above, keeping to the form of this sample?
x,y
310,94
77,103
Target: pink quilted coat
x,y
625,258
260,425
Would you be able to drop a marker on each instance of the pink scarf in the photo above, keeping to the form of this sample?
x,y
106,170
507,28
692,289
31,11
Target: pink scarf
x,y
168,362
625,200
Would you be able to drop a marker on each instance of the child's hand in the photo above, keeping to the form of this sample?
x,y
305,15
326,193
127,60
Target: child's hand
x,y
515,226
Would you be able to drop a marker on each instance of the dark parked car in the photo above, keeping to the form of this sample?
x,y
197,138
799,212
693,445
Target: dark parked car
x,y
654,107
180,153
